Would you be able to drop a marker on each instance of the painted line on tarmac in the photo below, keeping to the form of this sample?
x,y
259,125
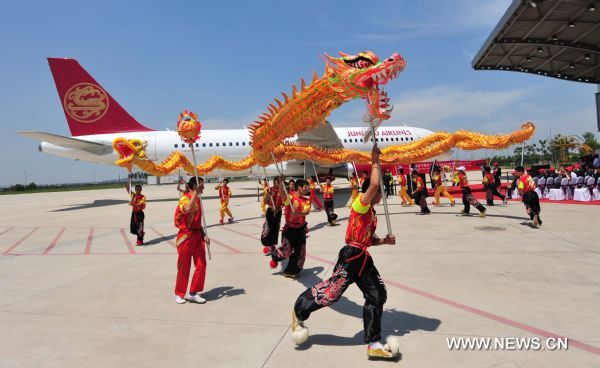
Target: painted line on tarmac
x,y
7,230
88,243
240,233
54,241
127,242
6,252
228,247
494,317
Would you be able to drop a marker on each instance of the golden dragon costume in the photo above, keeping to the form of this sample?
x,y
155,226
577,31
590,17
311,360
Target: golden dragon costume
x,y
346,78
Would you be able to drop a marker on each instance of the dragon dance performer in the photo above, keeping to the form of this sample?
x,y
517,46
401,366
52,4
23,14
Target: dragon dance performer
x,y
355,188
293,237
402,182
440,188
467,197
420,193
224,195
138,204
263,202
314,200
190,243
270,231
489,184
328,190
526,187
354,265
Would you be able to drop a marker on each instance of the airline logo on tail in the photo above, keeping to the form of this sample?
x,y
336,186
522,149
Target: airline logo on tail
x,y
86,102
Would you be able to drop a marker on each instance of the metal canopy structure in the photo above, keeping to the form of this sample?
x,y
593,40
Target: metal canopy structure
x,y
554,38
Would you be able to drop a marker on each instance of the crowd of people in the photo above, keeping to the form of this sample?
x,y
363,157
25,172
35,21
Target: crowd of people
x,y
578,182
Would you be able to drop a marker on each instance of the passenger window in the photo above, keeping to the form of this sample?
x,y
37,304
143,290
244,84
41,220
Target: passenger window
x,y
217,144
237,143
243,143
210,144
175,145
203,144
345,141
230,144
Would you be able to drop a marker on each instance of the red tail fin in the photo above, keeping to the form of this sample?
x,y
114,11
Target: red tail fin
x,y
88,107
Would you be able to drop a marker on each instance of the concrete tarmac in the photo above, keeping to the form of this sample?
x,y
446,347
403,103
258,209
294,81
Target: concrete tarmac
x,y
76,292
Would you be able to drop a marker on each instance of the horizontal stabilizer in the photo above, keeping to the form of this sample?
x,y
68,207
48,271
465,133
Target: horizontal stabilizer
x,y
68,142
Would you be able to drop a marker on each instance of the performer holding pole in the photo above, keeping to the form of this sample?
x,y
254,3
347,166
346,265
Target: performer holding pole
x,y
354,265
269,236
328,190
224,195
188,128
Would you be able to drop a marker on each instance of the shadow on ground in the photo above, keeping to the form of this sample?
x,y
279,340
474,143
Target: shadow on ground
x,y
222,292
394,322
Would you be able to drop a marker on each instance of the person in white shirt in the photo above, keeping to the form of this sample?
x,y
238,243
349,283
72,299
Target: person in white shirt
x,y
596,160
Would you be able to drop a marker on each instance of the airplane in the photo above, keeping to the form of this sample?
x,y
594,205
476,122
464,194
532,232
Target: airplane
x,y
95,119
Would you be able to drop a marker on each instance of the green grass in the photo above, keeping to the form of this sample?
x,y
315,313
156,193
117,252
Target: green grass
x,y
62,188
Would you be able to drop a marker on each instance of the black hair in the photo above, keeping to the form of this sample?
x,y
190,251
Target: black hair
x,y
519,168
192,181
226,181
138,186
301,183
487,169
401,171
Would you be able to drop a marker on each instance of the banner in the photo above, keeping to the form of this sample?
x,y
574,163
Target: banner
x,y
425,167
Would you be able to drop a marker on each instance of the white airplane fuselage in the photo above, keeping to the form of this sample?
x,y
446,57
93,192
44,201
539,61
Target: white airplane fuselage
x,y
231,144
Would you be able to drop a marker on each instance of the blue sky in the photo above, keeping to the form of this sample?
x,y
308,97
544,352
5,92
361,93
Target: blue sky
x,y
228,62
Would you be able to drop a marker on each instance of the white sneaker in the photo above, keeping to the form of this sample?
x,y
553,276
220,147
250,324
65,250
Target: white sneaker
x,y
196,298
179,300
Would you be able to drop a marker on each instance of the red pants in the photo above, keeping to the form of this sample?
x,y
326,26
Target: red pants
x,y
314,199
192,247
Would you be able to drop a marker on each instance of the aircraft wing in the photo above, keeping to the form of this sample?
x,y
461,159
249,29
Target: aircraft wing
x,y
68,142
322,136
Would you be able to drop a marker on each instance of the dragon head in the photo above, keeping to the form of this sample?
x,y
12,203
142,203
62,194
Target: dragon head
x,y
361,76
127,149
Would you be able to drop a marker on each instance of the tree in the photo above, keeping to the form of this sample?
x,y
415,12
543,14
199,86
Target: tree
x,y
590,139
